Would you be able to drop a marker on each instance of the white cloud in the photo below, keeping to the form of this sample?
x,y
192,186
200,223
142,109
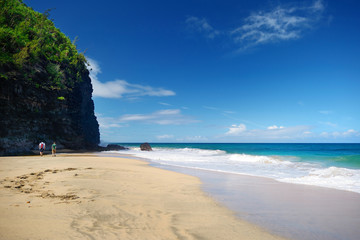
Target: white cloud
x,y
169,112
201,26
135,117
274,127
318,6
324,134
162,117
93,67
121,88
350,132
236,130
107,122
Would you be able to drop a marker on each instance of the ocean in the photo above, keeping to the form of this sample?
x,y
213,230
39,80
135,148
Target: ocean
x,y
326,165
298,191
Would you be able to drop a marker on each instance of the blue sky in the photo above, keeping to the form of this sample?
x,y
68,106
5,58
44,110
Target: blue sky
x,y
219,71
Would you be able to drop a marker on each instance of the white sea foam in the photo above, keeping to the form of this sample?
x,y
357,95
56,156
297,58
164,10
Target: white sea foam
x,y
332,177
284,169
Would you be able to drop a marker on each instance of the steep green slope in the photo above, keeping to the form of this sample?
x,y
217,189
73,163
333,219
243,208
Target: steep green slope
x,y
45,90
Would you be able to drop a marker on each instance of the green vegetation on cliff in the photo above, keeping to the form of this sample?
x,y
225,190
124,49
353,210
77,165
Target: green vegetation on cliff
x,y
27,38
45,88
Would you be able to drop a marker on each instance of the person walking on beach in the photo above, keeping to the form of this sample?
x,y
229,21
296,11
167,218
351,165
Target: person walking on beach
x,y
53,147
42,148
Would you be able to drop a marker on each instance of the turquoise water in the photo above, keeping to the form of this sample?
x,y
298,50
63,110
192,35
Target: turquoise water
x,y
326,165
335,154
293,210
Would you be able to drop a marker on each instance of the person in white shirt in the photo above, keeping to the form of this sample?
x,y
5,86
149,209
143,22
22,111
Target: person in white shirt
x,y
42,148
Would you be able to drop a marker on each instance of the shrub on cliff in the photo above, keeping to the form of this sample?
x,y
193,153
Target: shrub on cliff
x,y
27,38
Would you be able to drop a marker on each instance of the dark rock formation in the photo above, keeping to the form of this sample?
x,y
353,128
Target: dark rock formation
x,y
112,147
145,147
115,147
30,115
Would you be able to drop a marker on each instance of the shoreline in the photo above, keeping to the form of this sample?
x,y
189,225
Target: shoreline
x,y
294,211
87,196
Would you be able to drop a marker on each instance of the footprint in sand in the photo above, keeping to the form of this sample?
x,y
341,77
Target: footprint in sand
x,y
29,183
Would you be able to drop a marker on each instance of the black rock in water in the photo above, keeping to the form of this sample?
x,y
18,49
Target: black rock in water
x,y
145,147
114,147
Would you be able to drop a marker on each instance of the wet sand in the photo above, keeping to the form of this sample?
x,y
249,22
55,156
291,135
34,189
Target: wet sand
x,y
83,196
294,211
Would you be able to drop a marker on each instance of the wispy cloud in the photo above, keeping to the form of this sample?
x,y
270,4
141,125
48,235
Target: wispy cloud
x,y
329,124
202,26
165,136
224,112
121,88
229,112
293,133
193,139
210,108
162,117
336,135
164,104
271,133
326,112
282,23
279,24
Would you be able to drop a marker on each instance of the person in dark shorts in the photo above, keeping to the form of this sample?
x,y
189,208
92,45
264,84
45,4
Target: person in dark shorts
x,y
42,148
53,148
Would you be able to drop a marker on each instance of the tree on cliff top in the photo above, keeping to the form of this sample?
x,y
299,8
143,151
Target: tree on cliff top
x,y
27,38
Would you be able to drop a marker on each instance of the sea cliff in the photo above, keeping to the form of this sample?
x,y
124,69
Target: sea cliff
x,y
45,89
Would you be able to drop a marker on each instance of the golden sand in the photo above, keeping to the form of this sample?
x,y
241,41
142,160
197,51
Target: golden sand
x,y
89,197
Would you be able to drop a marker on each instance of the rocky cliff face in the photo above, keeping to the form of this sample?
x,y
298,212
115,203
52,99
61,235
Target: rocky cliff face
x,y
45,89
30,114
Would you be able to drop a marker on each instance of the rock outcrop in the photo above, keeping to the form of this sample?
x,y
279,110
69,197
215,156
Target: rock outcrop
x,y
30,115
112,147
145,147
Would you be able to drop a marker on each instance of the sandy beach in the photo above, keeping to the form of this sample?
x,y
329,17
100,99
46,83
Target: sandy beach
x,y
294,211
84,196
